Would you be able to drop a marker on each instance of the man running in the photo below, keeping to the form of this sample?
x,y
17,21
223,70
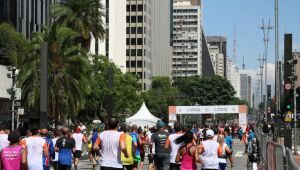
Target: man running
x,y
229,141
54,163
174,147
65,146
159,138
36,147
111,142
50,146
137,155
208,150
79,139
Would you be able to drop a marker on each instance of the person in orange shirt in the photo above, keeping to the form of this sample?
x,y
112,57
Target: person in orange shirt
x,y
110,142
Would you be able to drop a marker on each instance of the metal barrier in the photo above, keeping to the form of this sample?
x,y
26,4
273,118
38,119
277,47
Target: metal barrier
x,y
279,156
291,164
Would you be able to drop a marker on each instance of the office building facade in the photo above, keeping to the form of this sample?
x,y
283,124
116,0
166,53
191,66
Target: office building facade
x,y
233,76
187,38
218,48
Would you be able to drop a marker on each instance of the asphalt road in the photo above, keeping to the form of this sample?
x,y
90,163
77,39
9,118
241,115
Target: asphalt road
x,y
240,159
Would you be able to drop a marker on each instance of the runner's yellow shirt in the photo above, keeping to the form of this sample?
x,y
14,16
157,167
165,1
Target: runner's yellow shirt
x,y
129,160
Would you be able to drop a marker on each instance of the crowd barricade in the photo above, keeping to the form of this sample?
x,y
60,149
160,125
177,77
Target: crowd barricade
x,y
291,164
274,156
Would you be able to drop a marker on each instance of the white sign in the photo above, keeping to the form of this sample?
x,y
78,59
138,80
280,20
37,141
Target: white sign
x,y
207,109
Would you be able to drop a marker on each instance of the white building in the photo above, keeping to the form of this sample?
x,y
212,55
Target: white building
x,y
217,59
187,38
114,44
233,75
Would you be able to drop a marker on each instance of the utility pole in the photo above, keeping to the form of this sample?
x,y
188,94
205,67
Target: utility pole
x,y
277,69
266,30
261,66
12,92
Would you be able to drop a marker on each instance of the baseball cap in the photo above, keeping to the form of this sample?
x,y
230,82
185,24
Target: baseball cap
x,y
160,124
210,133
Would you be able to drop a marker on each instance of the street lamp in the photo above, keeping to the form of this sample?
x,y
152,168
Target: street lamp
x,y
12,92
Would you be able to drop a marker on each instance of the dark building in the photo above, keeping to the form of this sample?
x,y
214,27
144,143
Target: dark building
x,y
8,11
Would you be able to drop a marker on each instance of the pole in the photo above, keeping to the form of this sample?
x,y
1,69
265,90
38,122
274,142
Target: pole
x,y
44,87
295,107
13,92
277,74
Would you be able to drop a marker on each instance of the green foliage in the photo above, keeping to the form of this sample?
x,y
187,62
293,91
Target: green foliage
x,y
11,44
68,72
83,16
212,90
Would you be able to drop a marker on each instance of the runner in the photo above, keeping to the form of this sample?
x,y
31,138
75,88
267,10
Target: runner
x,y
13,157
128,162
3,138
186,153
65,146
151,149
170,144
208,150
111,142
79,139
36,147
50,146
223,151
54,163
94,157
143,139
229,141
137,156
159,138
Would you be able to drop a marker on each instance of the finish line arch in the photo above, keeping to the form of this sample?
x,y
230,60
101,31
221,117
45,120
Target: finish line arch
x,y
217,109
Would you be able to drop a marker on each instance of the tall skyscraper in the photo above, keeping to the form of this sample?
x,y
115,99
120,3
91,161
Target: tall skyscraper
x,y
187,38
161,17
233,76
218,48
246,89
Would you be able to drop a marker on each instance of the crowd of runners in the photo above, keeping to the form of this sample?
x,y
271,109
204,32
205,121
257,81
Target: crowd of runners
x,y
120,146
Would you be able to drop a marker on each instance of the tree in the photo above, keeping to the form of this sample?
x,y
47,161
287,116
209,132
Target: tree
x,y
83,16
125,91
211,90
161,96
11,44
68,72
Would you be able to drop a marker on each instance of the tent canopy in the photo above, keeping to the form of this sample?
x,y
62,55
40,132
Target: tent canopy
x,y
142,118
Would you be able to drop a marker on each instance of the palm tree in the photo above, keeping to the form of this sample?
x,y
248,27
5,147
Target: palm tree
x,y
68,72
83,16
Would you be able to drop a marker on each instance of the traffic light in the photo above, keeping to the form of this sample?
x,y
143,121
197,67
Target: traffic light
x,y
269,92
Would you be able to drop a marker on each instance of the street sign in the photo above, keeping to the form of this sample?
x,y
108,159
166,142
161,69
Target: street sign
x,y
288,86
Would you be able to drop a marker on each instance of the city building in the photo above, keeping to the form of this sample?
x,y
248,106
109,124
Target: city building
x,y
161,17
297,57
246,89
218,50
114,44
233,76
187,38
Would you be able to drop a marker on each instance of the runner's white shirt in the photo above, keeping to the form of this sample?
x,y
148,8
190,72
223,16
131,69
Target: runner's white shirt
x,y
78,140
210,155
35,147
223,160
56,153
3,141
110,149
174,147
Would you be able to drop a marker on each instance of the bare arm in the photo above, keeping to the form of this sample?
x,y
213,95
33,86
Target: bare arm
x,y
178,156
122,145
199,151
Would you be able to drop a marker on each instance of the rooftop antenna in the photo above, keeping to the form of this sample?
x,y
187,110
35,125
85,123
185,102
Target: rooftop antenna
x,y
244,66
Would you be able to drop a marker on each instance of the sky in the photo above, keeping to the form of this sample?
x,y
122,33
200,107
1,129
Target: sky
x,y
221,16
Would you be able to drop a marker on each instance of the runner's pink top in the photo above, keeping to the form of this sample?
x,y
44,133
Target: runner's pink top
x,y
11,158
188,162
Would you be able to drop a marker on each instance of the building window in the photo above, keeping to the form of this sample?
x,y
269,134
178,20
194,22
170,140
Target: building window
x,y
133,8
140,30
127,19
139,75
140,7
139,64
140,19
127,52
139,41
139,52
133,19
133,41
127,64
127,8
127,41
133,64
127,30
133,30
133,52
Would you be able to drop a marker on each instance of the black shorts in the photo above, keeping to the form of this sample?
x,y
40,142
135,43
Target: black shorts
x,y
151,158
77,154
95,152
110,168
142,157
64,167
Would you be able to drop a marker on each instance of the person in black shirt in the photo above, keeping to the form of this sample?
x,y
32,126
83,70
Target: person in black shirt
x,y
162,155
65,146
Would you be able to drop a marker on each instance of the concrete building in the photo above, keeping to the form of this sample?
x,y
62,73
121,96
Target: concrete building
x,y
233,76
297,56
161,24
219,42
187,38
114,44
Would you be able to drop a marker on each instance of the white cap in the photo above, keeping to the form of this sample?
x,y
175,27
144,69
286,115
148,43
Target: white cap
x,y
210,133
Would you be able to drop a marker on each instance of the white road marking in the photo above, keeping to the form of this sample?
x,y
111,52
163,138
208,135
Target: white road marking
x,y
239,154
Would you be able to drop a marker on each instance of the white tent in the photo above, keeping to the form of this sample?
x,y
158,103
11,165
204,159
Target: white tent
x,y
142,118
